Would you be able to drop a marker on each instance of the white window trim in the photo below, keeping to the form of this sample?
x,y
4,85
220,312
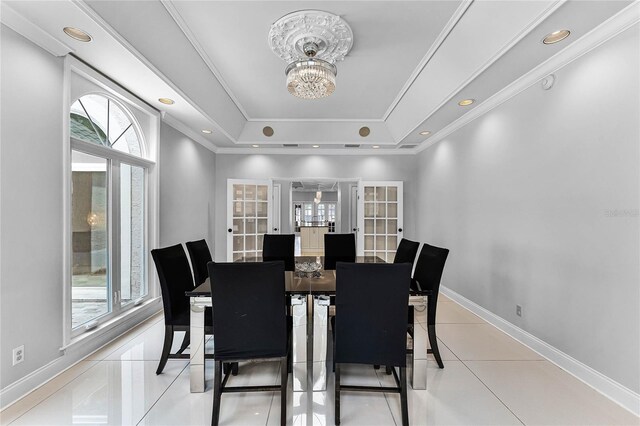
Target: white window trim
x,y
151,149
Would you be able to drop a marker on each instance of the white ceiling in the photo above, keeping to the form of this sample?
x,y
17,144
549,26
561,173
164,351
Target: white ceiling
x,y
410,63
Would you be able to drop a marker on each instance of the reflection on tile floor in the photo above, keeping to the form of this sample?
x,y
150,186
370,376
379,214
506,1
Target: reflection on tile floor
x,y
488,379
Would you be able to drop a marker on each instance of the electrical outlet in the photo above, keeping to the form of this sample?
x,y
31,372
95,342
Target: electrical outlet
x,y
519,310
18,355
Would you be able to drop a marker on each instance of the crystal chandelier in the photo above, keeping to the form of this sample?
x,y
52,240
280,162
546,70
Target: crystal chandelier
x,y
311,42
311,78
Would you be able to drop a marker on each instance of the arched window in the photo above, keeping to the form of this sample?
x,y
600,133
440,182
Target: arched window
x,y
108,211
98,119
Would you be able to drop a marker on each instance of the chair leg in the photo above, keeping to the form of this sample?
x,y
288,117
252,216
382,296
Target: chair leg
x,y
234,369
431,329
403,396
337,393
166,348
217,393
388,370
284,379
185,342
376,366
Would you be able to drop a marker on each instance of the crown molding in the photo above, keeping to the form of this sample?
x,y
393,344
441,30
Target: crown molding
x,y
179,20
188,132
610,28
139,56
453,21
31,31
314,151
499,54
326,120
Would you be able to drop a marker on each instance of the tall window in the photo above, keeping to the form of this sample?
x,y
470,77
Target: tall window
x,y
108,211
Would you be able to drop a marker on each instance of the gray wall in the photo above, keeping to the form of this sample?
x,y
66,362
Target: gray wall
x,y
187,184
538,202
31,215
258,166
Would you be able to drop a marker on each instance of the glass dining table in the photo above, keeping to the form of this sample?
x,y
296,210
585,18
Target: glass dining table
x,y
309,291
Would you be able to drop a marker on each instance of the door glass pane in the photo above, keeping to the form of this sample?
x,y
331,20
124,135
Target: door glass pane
x,y
238,243
250,226
381,210
392,210
238,226
262,210
249,192
380,226
381,243
249,208
90,284
368,226
369,209
392,193
238,192
262,226
392,226
238,211
381,193
262,192
368,242
369,193
132,248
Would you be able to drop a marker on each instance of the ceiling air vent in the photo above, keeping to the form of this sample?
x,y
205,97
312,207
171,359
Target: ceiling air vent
x,y
407,146
352,145
289,145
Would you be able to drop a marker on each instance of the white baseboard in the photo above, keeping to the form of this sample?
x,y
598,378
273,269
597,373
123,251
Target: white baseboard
x,y
71,356
613,390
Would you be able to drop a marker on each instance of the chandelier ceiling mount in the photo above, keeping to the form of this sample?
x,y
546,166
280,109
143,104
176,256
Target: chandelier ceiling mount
x,y
311,42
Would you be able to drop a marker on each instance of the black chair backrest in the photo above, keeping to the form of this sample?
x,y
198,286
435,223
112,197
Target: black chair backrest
x,y
175,279
371,313
406,252
429,267
338,248
200,256
280,247
249,310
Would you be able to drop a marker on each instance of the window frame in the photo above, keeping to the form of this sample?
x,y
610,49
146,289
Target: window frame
x,y
148,136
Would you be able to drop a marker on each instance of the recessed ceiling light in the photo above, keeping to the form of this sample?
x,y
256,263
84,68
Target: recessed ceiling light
x,y
206,131
267,131
256,146
556,36
425,133
315,146
166,101
375,146
364,131
77,34
466,102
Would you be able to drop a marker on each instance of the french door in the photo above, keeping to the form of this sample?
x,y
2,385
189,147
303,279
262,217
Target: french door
x,y
248,216
379,218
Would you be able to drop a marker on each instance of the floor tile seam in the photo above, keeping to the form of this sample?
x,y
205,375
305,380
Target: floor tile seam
x,y
162,394
450,350
493,393
57,390
273,395
385,395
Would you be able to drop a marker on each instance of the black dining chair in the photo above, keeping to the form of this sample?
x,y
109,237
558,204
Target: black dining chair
x,y
370,325
175,279
406,251
426,278
250,323
279,247
338,248
200,255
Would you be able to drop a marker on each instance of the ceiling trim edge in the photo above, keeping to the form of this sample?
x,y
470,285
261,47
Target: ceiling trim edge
x,y
610,28
453,21
31,31
187,131
526,30
179,20
139,56
312,151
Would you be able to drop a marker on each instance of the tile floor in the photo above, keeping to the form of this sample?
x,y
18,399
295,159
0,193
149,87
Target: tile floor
x,y
488,379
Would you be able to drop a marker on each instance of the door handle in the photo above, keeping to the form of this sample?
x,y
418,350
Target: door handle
x,y
229,230
355,229
275,229
399,229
